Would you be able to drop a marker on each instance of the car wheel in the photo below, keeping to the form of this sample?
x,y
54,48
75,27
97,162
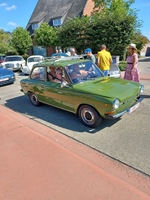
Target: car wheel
x,y
89,116
34,99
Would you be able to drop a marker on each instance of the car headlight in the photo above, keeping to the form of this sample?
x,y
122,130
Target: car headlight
x,y
141,88
116,103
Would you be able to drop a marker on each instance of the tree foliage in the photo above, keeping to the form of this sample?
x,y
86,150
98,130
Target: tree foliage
x,y
4,41
140,40
113,23
46,35
21,40
73,33
116,34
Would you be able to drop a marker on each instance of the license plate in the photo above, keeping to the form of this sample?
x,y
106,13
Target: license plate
x,y
4,79
133,108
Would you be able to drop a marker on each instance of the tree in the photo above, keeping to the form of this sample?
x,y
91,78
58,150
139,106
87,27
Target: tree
x,y
5,38
21,40
140,40
73,33
113,23
46,35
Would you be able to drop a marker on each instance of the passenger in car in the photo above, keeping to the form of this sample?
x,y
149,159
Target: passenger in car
x,y
74,77
55,75
80,73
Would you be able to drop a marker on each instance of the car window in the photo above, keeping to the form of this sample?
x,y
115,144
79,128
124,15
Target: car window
x,y
83,71
35,59
13,58
54,74
38,74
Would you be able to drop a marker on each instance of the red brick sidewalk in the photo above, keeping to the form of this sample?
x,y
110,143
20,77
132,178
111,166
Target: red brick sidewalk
x,y
38,163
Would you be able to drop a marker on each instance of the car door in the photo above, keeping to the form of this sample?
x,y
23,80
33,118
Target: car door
x,y
58,96
51,92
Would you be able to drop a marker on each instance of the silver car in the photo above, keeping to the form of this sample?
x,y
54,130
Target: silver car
x,y
114,68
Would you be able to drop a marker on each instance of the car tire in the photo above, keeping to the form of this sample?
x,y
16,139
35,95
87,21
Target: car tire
x,y
34,100
89,116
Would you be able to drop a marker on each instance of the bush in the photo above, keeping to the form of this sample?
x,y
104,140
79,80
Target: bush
x,y
122,65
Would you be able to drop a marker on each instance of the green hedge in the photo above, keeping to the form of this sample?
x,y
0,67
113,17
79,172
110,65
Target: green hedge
x,y
122,65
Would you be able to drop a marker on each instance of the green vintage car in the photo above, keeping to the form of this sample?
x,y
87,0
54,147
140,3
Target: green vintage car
x,y
78,86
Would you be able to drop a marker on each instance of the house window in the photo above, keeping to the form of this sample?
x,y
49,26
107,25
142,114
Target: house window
x,y
57,22
34,26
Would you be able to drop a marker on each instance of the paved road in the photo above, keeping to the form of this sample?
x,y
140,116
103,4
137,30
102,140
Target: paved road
x,y
126,140
38,163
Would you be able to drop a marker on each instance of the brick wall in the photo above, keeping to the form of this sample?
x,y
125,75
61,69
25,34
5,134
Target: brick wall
x,y
88,8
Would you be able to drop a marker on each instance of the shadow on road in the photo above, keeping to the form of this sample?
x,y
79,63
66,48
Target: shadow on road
x,y
53,116
145,96
144,59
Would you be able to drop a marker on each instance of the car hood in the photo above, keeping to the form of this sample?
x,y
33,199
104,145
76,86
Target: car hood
x,y
4,72
12,62
109,88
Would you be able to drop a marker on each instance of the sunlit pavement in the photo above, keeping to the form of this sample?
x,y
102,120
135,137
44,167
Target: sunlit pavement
x,y
142,76
38,163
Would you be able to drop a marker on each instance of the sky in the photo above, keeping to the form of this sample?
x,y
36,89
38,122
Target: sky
x,y
16,13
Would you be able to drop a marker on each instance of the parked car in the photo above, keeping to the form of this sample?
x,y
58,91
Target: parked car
x,y
114,68
114,71
31,60
13,63
82,90
6,76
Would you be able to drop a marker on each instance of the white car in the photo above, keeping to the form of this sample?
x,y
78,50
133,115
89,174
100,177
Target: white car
x,y
13,63
114,68
31,60
114,71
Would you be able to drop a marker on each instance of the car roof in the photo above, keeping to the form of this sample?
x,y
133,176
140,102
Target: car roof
x,y
33,56
62,62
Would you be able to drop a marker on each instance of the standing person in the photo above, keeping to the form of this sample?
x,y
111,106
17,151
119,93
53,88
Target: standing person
x,y
90,56
131,72
59,50
104,60
72,52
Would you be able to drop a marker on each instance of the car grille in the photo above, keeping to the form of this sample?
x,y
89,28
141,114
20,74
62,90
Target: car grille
x,y
9,65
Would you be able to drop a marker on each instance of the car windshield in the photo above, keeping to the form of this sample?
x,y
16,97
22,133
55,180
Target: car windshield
x,y
13,58
34,59
83,71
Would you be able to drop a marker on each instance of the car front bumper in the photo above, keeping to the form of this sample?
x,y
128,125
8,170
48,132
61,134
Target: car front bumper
x,y
6,81
129,110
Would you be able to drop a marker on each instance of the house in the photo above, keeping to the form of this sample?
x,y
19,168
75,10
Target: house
x,y
55,13
146,50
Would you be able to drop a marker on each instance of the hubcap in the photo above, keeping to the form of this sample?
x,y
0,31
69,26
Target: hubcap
x,y
87,116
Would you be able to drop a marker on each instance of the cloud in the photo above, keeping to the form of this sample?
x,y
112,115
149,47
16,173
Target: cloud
x,y
3,4
12,24
13,7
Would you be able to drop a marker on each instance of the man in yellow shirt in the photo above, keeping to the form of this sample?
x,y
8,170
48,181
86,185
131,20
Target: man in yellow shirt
x,y
104,60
